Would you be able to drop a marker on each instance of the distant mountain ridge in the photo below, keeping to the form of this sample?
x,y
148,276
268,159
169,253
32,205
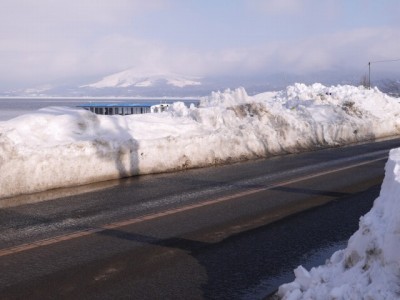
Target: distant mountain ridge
x,y
131,78
131,83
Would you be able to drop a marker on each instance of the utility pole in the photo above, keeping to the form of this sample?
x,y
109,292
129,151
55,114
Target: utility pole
x,y
369,75
378,61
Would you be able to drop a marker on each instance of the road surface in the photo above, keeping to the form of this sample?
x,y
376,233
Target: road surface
x,y
227,232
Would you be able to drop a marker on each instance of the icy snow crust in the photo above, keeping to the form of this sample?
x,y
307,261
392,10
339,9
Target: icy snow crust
x,y
59,146
369,268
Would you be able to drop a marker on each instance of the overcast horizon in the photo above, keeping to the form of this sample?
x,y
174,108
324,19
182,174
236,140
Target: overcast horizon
x,y
48,41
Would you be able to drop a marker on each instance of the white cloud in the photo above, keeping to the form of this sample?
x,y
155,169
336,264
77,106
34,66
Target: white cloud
x,y
279,6
81,11
346,50
296,7
47,41
350,50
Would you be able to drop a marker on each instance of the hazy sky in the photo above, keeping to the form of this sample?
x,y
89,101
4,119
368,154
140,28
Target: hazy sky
x,y
48,41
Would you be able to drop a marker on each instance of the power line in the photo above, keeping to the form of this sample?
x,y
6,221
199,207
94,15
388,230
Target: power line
x,y
374,62
381,61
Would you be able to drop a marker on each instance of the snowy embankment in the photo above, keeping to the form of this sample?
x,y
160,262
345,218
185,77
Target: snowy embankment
x,y
56,147
369,268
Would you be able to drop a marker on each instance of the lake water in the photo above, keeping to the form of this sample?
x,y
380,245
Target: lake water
x,y
13,107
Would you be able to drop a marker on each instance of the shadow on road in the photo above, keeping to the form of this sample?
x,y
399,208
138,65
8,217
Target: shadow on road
x,y
123,263
252,264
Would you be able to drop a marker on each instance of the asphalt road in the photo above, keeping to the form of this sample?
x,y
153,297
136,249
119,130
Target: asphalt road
x,y
227,232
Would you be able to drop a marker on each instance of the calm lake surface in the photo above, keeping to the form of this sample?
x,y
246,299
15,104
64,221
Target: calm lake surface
x,y
14,107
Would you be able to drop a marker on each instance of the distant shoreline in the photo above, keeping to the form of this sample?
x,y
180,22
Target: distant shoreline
x,y
102,98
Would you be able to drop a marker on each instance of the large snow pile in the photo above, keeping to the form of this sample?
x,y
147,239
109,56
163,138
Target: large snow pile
x,y
369,268
57,146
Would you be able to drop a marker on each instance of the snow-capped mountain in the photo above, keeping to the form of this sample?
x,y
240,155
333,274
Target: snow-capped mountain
x,y
132,83
132,78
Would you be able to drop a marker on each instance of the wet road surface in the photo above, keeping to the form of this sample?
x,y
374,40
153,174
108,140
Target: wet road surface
x,y
229,232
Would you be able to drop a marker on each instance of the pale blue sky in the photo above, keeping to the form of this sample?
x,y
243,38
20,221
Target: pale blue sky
x,y
48,40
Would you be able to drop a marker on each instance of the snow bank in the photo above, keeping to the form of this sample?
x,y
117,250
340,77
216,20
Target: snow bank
x,y
369,268
57,146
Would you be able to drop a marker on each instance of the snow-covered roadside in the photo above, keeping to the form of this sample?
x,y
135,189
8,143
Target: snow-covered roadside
x,y
369,268
56,147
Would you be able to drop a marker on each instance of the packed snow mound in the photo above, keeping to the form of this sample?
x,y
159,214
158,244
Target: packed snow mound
x,y
369,268
131,78
59,146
